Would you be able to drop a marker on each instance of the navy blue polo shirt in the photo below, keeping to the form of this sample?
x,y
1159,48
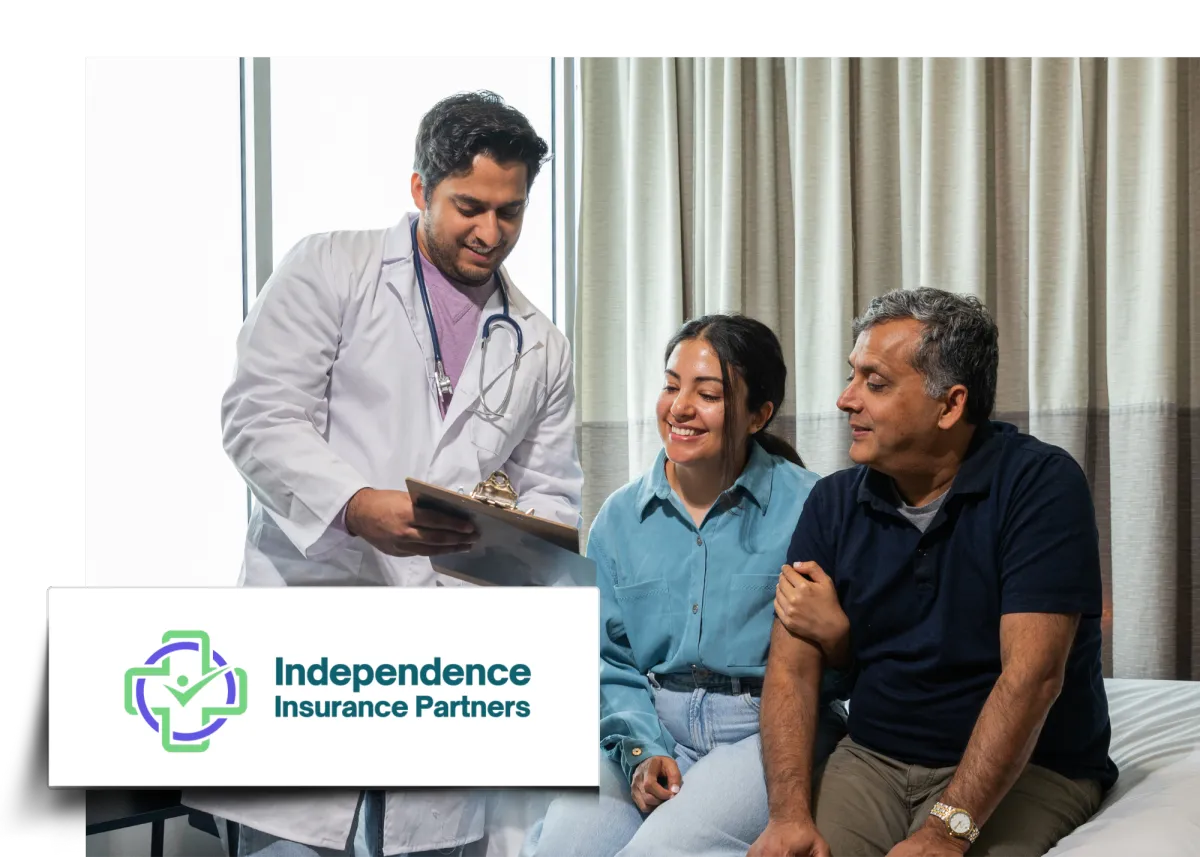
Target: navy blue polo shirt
x,y
1015,534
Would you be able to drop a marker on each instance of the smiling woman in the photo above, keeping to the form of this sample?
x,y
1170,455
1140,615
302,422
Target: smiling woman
x,y
711,362
687,561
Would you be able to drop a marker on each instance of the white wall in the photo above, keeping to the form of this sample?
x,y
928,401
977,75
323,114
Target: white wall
x,y
162,304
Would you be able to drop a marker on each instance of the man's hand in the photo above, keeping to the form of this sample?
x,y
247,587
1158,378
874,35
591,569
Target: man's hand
x,y
789,839
931,840
388,521
647,791
806,603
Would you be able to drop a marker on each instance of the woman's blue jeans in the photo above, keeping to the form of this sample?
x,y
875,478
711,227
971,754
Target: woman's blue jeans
x,y
721,807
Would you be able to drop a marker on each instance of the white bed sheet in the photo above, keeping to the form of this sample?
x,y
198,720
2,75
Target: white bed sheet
x,y
1154,809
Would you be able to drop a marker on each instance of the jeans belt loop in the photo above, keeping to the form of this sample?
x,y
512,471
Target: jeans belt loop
x,y
737,684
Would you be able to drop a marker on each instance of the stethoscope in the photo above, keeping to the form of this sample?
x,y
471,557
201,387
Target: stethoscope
x,y
441,379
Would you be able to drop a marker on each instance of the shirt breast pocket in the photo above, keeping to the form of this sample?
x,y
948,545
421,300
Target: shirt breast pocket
x,y
496,435
645,608
749,618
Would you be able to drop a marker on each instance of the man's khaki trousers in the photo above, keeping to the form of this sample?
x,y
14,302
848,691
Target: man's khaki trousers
x,y
866,802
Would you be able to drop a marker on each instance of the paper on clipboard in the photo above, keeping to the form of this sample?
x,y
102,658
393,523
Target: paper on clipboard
x,y
514,548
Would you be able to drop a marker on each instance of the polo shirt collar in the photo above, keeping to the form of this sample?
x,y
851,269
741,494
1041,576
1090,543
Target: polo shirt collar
x,y
975,474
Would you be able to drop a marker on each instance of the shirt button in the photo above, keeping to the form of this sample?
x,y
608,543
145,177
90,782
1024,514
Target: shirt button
x,y
695,608
636,751
699,540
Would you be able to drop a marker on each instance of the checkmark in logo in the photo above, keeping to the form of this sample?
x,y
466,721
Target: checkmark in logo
x,y
185,696
214,711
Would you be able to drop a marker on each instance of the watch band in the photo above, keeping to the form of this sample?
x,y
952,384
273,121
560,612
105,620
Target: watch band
x,y
944,812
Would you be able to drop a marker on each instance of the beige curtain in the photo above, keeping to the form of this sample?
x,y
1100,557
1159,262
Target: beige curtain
x,y
1065,193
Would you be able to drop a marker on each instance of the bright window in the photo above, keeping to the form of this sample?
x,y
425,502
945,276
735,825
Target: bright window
x,y
162,304
342,138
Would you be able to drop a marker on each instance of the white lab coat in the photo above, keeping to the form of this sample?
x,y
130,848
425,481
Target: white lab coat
x,y
333,393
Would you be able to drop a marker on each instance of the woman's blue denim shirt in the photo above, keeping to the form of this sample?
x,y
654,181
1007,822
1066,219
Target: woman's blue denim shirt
x,y
674,595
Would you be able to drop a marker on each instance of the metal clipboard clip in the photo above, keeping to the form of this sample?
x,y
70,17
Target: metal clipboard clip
x,y
497,491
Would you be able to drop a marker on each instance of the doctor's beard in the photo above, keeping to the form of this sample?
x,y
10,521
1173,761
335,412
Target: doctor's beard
x,y
445,254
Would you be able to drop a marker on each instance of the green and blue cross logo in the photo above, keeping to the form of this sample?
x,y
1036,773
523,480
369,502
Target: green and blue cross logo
x,y
184,687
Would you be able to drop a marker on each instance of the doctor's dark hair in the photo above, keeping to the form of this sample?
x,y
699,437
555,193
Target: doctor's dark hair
x,y
751,349
458,128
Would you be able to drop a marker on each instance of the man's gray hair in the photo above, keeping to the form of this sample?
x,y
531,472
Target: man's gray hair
x,y
959,345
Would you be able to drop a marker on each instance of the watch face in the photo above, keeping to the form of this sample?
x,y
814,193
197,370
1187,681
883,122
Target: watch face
x,y
960,822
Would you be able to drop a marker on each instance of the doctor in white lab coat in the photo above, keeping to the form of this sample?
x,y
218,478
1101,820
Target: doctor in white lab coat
x,y
334,404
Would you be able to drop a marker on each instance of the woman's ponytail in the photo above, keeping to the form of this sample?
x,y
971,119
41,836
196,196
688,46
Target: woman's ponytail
x,y
776,445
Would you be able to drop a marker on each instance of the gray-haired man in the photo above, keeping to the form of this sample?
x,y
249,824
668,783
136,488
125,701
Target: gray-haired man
x,y
965,557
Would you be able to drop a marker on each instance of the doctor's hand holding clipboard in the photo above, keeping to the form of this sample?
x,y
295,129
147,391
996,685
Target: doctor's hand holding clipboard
x,y
391,523
515,547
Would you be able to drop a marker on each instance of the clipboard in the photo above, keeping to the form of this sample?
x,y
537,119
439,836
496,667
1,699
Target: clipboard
x,y
515,548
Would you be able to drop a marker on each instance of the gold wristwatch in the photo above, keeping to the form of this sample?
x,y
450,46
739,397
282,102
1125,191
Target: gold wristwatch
x,y
959,823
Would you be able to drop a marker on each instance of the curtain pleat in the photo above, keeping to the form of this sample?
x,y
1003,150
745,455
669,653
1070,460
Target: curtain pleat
x,y
1065,193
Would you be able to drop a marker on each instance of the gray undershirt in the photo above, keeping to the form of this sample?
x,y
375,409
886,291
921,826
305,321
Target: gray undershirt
x,y
920,516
